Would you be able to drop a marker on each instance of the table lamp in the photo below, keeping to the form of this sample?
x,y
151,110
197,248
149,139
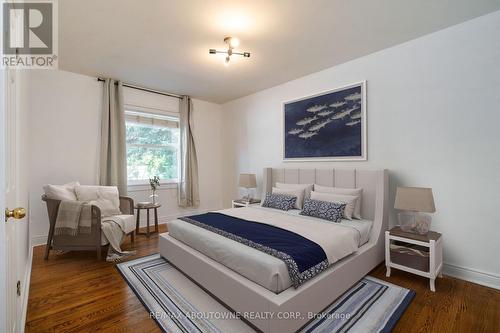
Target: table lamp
x,y
414,203
248,181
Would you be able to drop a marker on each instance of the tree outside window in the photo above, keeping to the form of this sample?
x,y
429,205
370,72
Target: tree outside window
x,y
152,150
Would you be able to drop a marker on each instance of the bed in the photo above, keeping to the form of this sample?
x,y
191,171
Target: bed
x,y
251,281
259,267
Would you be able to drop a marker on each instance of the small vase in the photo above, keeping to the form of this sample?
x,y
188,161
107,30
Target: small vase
x,y
153,197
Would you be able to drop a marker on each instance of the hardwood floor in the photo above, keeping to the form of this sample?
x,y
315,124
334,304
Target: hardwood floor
x,y
73,292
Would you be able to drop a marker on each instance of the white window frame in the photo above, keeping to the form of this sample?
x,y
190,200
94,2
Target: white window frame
x,y
143,184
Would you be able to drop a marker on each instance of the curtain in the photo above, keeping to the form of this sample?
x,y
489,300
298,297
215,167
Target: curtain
x,y
188,195
113,157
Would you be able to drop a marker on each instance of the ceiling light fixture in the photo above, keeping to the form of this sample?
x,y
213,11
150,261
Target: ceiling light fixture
x,y
231,42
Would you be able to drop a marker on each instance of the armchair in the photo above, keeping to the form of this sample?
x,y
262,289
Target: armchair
x,y
81,242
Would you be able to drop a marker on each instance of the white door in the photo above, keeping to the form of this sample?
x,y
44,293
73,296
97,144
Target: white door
x,y
14,234
3,227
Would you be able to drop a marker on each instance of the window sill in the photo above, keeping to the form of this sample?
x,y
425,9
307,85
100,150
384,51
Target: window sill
x,y
146,187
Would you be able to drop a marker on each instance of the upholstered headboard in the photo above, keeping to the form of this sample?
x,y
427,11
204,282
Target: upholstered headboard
x,y
374,205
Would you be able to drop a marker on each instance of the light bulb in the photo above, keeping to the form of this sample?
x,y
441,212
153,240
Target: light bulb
x,y
234,42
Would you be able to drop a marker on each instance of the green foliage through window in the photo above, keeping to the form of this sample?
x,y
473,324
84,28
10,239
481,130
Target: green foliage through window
x,y
151,151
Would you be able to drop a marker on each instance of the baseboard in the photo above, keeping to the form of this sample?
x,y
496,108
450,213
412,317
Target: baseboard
x,y
39,240
472,275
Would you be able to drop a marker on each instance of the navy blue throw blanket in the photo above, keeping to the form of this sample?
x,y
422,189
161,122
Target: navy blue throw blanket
x,y
304,258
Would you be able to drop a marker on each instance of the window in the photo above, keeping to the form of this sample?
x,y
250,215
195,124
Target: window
x,y
152,147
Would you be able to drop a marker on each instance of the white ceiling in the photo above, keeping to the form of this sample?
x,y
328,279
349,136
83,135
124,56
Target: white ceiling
x,y
164,44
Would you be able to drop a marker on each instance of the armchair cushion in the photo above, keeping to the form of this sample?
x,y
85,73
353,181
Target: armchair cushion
x,y
90,193
128,223
61,192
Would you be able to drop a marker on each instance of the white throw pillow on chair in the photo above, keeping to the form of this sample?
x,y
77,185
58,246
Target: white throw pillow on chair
x,y
64,192
93,193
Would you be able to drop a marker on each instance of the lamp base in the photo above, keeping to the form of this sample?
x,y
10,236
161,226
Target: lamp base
x,y
247,198
414,222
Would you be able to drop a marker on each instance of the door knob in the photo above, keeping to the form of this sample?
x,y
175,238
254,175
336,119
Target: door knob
x,y
17,213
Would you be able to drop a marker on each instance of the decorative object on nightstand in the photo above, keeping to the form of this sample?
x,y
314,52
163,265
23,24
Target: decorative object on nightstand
x,y
248,181
244,203
414,253
415,202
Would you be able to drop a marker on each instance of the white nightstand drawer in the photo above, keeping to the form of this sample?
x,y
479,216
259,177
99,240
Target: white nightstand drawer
x,y
410,255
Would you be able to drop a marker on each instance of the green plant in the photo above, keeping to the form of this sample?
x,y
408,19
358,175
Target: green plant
x,y
154,183
152,151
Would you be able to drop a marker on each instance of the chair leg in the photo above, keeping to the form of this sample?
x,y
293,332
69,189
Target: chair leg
x,y
132,237
49,242
99,253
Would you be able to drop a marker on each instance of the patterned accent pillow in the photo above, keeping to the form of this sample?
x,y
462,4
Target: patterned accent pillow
x,y
279,201
331,211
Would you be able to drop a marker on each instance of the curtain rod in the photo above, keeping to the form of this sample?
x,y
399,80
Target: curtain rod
x,y
100,79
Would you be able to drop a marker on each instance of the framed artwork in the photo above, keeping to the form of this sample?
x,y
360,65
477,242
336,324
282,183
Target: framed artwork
x,y
329,126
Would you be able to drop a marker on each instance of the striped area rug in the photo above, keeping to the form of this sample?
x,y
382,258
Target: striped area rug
x,y
179,305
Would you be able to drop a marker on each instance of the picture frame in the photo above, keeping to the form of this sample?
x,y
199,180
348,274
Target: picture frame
x,y
327,126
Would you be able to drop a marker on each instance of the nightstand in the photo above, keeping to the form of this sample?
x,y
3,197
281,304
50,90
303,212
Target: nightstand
x,y
414,253
244,203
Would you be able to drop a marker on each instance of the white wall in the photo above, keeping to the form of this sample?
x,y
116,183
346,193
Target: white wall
x,y
64,141
433,114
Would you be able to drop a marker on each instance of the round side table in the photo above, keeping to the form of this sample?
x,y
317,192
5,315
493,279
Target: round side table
x,y
138,219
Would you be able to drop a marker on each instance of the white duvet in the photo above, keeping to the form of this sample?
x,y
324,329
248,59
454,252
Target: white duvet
x,y
338,240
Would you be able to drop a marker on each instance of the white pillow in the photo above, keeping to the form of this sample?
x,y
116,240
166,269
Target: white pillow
x,y
61,192
344,191
295,192
306,187
90,193
106,206
349,200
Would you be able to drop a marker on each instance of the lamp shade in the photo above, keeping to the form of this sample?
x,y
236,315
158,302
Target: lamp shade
x,y
247,180
417,199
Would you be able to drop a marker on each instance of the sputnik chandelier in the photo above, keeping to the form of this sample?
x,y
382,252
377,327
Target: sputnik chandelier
x,y
231,42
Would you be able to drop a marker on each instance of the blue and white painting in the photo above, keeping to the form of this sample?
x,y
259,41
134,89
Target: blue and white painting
x,y
327,126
